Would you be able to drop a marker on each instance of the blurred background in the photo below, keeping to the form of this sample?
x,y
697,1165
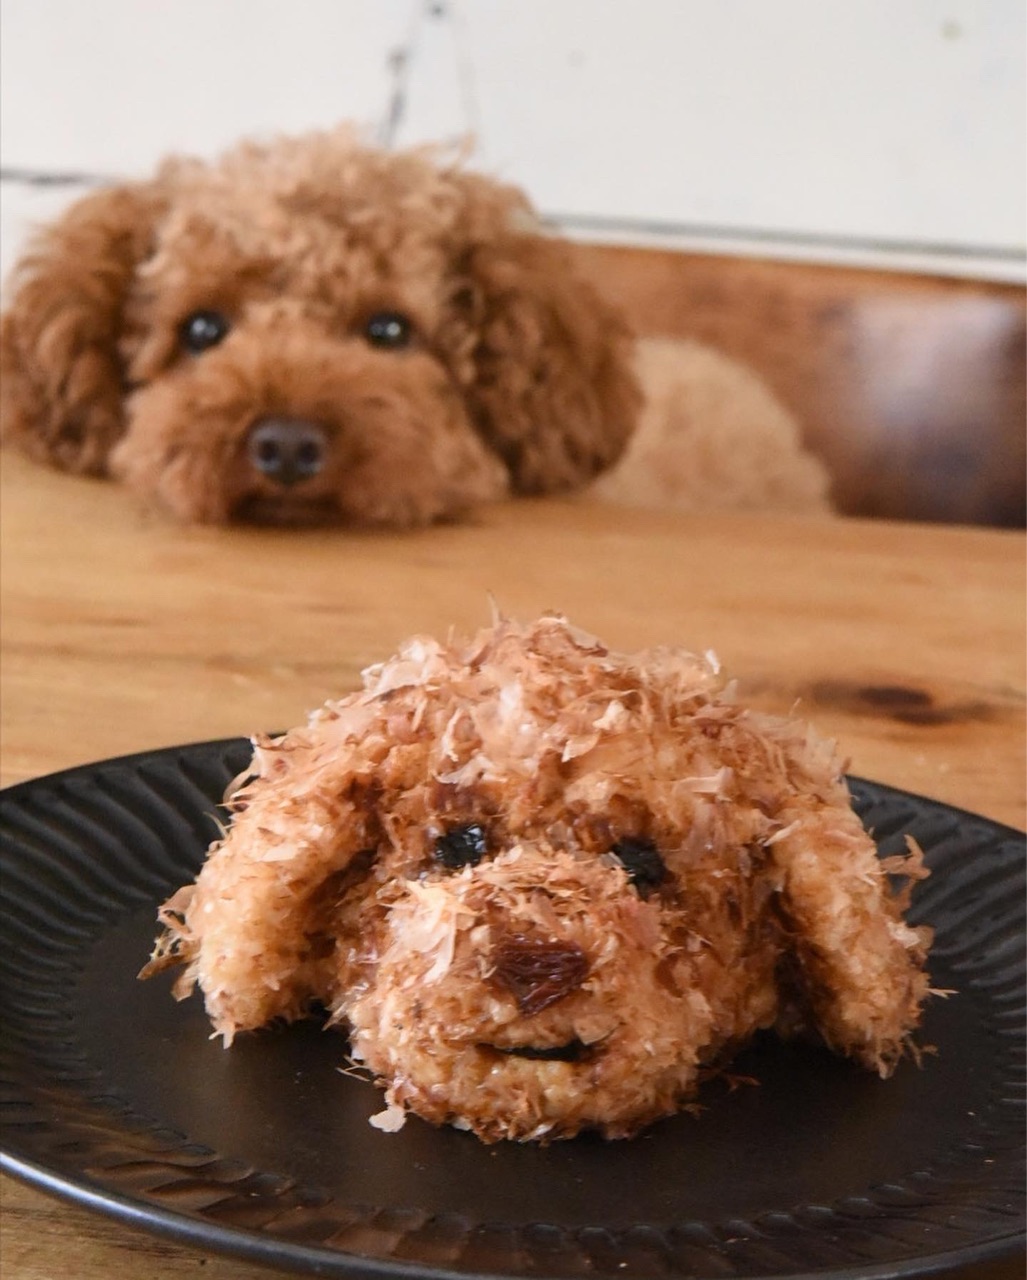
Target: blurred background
x,y
834,193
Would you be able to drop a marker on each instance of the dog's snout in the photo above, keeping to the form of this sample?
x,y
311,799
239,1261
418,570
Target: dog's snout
x,y
287,450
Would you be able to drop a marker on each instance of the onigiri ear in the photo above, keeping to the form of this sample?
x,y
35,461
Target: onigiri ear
x,y
554,392
263,930
61,377
858,965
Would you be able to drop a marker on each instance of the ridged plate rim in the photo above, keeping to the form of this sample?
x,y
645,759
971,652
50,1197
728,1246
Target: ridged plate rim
x,y
205,768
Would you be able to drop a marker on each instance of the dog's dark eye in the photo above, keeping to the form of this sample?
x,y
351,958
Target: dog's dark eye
x,y
461,847
201,330
641,860
388,329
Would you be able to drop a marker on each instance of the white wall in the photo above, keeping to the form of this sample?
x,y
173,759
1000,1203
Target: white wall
x,y
887,131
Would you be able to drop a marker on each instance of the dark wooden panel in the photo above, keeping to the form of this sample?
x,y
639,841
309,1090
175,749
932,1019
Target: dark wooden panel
x,y
911,388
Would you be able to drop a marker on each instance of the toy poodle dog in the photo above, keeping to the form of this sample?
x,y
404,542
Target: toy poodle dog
x,y
544,886
313,329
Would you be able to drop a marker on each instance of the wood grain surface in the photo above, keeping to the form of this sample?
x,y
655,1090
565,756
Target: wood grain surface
x,y
123,632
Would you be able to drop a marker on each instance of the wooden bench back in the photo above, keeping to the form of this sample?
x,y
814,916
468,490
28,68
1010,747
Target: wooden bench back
x,y
911,388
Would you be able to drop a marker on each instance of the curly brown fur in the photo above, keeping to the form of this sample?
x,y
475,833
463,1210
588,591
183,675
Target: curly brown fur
x,y
62,380
712,436
515,376
544,885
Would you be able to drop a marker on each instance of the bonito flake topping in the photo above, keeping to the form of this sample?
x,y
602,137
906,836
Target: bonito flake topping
x,y
544,886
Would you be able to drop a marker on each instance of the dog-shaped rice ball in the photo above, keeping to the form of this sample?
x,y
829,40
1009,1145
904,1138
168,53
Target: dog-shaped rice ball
x,y
544,885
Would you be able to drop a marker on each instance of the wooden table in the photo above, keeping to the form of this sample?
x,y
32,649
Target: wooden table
x,y
122,632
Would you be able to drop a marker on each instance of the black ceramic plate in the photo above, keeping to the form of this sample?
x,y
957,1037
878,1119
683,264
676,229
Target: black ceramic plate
x,y
114,1096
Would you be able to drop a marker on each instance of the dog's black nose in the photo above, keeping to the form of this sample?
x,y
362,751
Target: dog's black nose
x,y
287,450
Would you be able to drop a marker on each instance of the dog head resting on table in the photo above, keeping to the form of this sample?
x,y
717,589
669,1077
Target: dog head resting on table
x,y
313,330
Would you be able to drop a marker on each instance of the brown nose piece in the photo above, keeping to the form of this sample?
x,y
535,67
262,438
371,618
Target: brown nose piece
x,y
287,450
538,972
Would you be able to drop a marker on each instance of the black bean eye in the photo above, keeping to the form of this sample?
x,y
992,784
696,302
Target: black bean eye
x,y
388,329
641,860
461,847
201,330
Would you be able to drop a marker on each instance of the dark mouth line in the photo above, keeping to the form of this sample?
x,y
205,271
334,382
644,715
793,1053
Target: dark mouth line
x,y
292,509
572,1051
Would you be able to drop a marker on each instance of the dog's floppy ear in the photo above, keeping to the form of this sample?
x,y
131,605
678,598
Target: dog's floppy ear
x,y
553,390
61,376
